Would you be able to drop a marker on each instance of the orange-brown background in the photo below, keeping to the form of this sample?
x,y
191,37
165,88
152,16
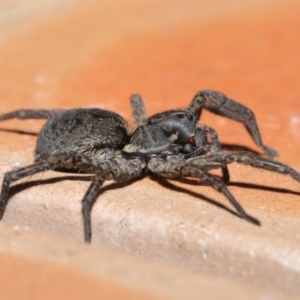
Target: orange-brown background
x,y
97,54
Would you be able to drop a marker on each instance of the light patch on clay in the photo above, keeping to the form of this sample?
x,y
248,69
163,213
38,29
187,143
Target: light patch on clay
x,y
15,161
295,124
40,79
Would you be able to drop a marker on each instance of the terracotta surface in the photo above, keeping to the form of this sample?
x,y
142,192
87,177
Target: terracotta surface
x,y
42,265
97,55
37,277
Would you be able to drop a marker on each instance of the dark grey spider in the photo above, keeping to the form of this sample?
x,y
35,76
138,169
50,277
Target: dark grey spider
x,y
169,144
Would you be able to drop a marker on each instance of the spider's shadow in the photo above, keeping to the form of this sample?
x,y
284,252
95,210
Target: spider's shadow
x,y
254,186
17,188
168,184
236,147
162,181
19,131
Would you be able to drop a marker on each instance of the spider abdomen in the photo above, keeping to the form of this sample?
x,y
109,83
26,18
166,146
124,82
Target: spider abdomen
x,y
81,131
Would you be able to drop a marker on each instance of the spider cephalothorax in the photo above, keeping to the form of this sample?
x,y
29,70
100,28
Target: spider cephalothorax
x,y
169,144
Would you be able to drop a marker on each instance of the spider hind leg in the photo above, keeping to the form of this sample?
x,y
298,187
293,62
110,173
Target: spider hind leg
x,y
24,114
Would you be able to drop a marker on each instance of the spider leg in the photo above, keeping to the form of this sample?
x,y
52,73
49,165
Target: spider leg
x,y
244,158
138,110
12,176
196,172
216,148
203,147
119,169
28,114
171,170
87,203
219,104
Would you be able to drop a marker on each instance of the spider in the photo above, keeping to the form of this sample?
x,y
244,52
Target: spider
x,y
169,144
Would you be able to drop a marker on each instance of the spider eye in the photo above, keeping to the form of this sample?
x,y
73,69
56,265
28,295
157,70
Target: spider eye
x,y
191,118
181,116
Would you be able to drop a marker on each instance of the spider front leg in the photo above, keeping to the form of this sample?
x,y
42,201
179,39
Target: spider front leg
x,y
196,172
15,175
180,168
219,104
245,158
202,146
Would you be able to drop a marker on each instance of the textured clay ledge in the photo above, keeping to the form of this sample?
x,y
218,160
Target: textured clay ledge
x,y
96,55
44,266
